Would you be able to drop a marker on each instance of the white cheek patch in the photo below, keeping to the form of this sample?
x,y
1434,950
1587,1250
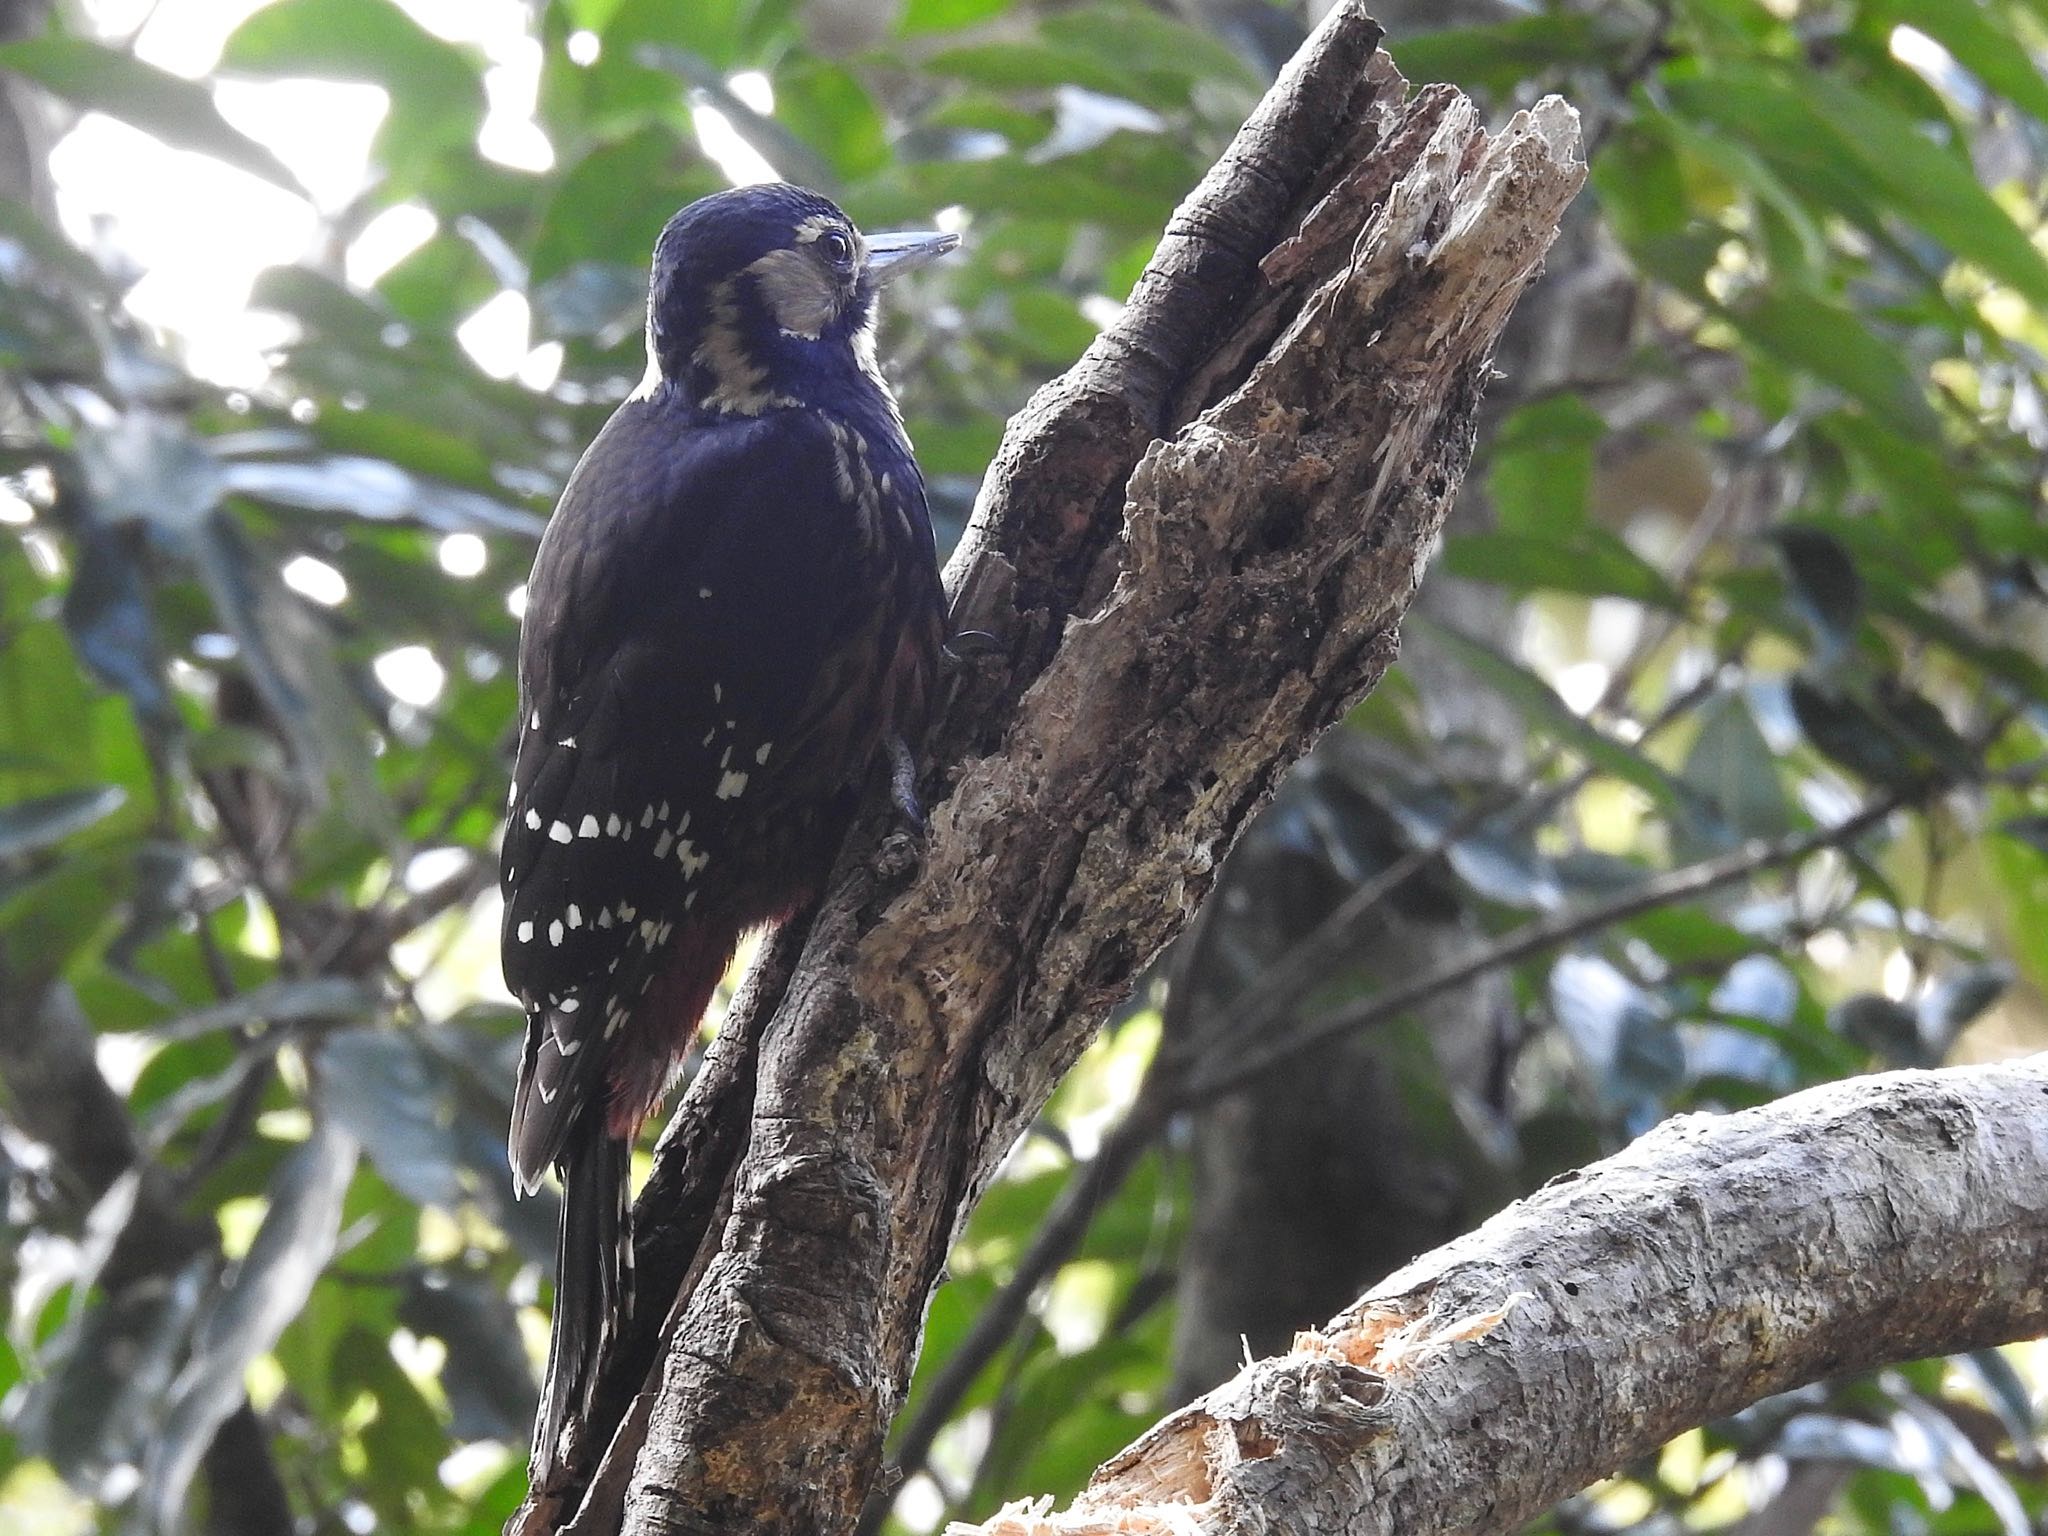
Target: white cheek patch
x,y
740,384
802,296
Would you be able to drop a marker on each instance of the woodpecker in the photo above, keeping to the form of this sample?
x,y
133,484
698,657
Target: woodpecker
x,y
733,618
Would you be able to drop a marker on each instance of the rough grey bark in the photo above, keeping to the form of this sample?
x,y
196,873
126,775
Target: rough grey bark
x,y
1713,1262
1194,550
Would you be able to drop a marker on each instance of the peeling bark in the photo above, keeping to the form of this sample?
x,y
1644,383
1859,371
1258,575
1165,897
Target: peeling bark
x,y
1713,1262
1194,550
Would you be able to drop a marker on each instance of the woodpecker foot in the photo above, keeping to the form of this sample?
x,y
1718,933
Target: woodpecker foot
x,y
903,784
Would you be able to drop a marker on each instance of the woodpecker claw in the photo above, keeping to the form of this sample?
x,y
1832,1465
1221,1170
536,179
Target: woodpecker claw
x,y
970,644
903,783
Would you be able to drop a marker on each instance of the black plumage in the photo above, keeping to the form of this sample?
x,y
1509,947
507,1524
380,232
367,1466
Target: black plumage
x,y
735,609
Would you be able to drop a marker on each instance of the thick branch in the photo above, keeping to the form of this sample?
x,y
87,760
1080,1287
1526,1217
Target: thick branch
x,y
1195,549
1715,1261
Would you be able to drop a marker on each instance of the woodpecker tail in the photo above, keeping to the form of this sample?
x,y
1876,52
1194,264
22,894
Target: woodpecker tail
x,y
593,1279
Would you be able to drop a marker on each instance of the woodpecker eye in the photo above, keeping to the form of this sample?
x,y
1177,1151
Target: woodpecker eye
x,y
837,248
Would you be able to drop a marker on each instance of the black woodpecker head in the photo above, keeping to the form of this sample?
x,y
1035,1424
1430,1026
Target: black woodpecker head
x,y
764,297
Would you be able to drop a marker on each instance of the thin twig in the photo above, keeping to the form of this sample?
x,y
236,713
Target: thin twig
x,y
1687,884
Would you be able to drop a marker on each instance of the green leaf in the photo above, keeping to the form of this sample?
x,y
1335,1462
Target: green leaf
x,y
436,89
107,609
792,155
1985,48
316,999
390,1095
828,111
1742,167
1542,466
1865,143
920,16
1497,58
377,490
1884,1028
1960,995
1731,766
435,286
180,112
1592,562
1770,113
1048,326
1894,737
1148,46
404,1441
289,656
587,219
251,1309
49,249
1911,476
1641,186
1027,66
2031,830
1904,601
31,825
1826,585
1541,706
1829,342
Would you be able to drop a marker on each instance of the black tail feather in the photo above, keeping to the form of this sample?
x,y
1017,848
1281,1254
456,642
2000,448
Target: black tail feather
x,y
593,1280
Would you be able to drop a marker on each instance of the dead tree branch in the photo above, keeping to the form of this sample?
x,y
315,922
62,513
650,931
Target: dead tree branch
x,y
1715,1261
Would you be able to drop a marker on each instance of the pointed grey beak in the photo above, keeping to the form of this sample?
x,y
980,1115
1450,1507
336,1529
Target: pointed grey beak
x,y
892,255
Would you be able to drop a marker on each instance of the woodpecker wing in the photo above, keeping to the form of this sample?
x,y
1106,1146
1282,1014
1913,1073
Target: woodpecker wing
x,y
686,596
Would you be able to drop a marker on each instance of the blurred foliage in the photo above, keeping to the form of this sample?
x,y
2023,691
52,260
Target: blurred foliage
x,y
1774,554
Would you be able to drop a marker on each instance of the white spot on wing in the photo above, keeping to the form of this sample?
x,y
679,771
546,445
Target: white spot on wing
x,y
559,831
588,826
731,786
526,933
